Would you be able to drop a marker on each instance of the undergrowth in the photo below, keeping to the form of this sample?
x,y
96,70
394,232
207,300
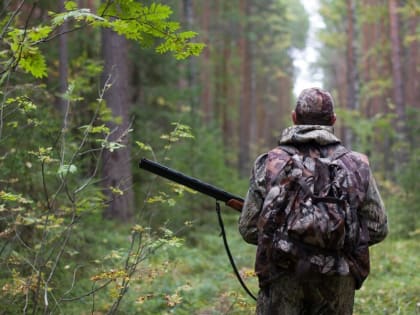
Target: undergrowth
x,y
196,277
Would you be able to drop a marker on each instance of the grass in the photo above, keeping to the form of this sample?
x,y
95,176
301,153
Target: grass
x,y
197,278
393,286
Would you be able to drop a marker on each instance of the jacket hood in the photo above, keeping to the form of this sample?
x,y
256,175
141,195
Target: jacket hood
x,y
296,134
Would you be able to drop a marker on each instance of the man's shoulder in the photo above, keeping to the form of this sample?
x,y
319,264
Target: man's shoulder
x,y
360,157
281,153
358,165
270,161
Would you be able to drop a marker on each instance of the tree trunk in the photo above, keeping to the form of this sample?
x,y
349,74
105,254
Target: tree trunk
x,y
351,68
412,69
398,87
206,80
366,70
375,71
117,176
246,95
227,122
396,58
63,63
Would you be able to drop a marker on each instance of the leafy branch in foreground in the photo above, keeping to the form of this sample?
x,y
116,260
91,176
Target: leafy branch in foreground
x,y
135,21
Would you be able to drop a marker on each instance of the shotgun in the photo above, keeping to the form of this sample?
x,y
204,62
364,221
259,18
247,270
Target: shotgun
x,y
230,200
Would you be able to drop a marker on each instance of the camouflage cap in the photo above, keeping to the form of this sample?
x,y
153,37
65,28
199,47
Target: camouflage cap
x,y
314,106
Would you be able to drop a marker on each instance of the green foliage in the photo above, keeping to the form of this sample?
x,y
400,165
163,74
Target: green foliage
x,y
134,20
333,11
144,23
403,201
375,87
50,233
180,131
56,248
49,167
374,13
393,154
197,277
275,35
23,53
367,130
391,287
298,24
406,199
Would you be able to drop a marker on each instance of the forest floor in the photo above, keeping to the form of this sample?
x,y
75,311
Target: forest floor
x,y
197,278
393,286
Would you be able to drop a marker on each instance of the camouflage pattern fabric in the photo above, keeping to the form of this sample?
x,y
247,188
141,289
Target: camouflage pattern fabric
x,y
322,135
366,199
322,295
306,219
314,105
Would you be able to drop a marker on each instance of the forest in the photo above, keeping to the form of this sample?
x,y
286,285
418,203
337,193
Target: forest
x,y
89,87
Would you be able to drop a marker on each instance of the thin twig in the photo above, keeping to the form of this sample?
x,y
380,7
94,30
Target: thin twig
x,y
5,28
93,291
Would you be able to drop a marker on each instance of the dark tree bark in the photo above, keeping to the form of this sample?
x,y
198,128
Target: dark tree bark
x,y
63,62
351,67
191,64
117,176
246,92
396,59
206,80
397,75
412,57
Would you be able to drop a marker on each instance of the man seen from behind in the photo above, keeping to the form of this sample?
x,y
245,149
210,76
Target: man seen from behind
x,y
303,185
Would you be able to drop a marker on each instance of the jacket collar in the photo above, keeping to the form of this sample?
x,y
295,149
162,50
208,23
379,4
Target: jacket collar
x,y
322,135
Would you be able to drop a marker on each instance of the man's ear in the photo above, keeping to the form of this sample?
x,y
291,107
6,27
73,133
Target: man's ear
x,y
294,119
333,119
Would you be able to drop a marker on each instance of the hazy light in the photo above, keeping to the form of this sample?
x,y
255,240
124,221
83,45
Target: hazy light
x,y
307,76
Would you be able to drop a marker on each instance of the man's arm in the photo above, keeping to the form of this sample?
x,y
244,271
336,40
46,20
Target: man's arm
x,y
253,202
373,212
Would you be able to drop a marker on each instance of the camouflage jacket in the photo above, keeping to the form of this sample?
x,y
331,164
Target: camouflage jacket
x,y
370,209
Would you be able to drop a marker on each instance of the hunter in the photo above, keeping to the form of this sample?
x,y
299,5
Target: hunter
x,y
318,282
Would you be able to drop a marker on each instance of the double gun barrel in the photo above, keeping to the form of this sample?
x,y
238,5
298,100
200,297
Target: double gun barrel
x,y
231,200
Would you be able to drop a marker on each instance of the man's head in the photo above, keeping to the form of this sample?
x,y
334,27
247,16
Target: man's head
x,y
314,106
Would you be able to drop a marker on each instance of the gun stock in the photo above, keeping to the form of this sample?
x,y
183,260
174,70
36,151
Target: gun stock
x,y
231,200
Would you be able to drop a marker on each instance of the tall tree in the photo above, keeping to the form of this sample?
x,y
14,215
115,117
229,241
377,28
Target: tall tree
x,y
63,60
351,66
334,47
245,104
206,99
117,175
412,57
190,64
397,76
225,87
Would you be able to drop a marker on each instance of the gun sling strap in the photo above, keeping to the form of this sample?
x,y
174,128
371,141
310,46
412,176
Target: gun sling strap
x,y
232,262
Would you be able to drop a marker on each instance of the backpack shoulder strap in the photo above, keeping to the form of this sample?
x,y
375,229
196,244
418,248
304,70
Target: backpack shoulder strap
x,y
289,149
339,152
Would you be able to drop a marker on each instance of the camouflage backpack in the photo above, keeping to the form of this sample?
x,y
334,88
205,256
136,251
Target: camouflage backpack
x,y
306,223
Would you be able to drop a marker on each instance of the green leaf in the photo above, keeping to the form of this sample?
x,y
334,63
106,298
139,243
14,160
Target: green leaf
x,y
111,145
38,33
143,146
7,196
70,5
95,129
65,169
34,64
78,15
